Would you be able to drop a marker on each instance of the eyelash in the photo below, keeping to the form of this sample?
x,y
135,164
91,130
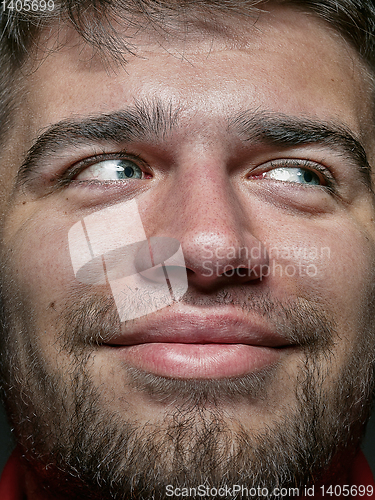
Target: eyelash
x,y
324,173
81,165
77,168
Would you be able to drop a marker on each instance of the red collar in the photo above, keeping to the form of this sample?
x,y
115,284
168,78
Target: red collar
x,y
11,482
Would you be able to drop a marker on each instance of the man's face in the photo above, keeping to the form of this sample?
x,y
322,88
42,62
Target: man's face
x,y
239,146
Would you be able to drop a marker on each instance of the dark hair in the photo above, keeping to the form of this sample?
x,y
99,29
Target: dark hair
x,y
95,21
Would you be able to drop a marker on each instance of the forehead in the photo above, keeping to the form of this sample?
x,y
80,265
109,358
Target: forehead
x,y
284,60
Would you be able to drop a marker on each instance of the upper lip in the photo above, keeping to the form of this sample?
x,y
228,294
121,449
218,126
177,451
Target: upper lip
x,y
199,326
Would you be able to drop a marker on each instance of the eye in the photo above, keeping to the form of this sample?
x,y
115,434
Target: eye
x,y
111,170
294,174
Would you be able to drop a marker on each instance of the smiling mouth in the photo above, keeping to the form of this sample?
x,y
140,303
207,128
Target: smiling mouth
x,y
199,361
188,345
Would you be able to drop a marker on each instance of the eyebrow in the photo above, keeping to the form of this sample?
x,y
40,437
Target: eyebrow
x,y
286,131
143,120
154,121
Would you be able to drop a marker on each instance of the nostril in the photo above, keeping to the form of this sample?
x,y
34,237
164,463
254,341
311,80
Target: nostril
x,y
241,272
231,263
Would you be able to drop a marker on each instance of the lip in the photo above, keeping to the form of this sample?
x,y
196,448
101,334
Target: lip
x,y
195,343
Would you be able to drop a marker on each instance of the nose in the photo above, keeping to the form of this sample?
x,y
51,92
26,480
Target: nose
x,y
204,210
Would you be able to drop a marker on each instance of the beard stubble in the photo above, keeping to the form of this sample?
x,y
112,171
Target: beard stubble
x,y
78,447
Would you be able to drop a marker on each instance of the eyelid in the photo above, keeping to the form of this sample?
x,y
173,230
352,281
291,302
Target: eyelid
x,y
81,165
322,171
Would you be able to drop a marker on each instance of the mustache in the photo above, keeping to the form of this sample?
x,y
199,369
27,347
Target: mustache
x,y
91,319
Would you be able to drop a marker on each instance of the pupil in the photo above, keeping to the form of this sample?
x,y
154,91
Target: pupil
x,y
129,171
308,177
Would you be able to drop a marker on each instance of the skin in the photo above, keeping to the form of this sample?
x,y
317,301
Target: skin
x,y
204,188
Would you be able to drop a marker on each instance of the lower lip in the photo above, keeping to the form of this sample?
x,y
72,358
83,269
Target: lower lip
x,y
198,361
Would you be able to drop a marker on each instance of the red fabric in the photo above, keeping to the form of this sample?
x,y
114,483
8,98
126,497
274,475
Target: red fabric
x,y
11,482
360,473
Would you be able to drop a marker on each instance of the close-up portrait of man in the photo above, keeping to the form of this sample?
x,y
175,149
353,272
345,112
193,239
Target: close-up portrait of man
x,y
187,248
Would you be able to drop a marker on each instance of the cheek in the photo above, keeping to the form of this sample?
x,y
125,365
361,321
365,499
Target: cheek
x,y
38,277
330,264
38,259
326,262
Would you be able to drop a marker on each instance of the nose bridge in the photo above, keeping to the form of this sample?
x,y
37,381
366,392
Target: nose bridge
x,y
208,217
206,201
